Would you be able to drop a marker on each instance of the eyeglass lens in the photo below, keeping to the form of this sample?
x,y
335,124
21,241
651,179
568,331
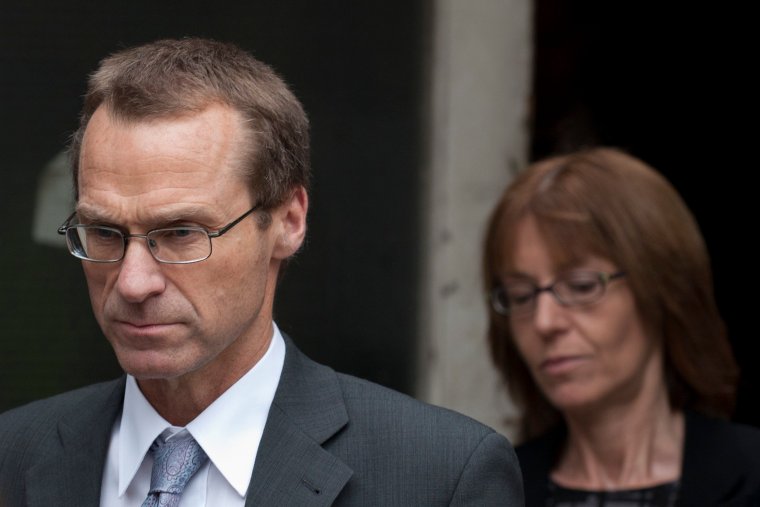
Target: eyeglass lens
x,y
105,244
573,289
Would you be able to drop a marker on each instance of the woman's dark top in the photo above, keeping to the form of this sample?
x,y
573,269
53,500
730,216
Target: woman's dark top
x,y
721,464
662,495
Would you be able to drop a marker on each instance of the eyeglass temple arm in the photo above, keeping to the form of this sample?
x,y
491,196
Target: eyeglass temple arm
x,y
65,225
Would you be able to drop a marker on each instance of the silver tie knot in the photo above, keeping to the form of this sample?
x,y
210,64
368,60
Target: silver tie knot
x,y
174,463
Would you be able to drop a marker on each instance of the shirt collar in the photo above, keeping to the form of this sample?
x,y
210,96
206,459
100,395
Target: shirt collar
x,y
229,430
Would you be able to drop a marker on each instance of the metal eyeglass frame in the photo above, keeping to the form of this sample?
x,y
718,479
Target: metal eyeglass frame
x,y
65,227
499,308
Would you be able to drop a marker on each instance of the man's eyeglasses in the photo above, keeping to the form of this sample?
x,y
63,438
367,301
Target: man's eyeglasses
x,y
171,245
575,288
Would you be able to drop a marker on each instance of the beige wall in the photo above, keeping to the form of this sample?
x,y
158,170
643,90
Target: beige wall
x,y
479,94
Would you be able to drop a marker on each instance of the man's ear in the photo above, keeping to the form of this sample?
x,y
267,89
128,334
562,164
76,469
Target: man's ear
x,y
290,220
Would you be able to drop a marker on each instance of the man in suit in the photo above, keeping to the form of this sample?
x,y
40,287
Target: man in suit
x,y
191,170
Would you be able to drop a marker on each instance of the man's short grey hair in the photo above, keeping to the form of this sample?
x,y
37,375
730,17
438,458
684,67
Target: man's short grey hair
x,y
175,77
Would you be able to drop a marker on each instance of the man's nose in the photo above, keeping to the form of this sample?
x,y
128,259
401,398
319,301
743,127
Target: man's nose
x,y
140,276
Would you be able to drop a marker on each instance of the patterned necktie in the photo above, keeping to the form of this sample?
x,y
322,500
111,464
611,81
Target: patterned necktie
x,y
174,462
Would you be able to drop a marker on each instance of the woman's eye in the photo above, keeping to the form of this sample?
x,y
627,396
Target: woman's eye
x,y
520,297
581,286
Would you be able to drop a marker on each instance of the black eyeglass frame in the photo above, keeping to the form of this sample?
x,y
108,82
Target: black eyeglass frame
x,y
65,227
499,308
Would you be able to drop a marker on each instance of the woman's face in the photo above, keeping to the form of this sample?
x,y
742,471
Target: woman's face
x,y
582,357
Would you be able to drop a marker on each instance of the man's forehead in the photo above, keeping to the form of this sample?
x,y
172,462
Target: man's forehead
x,y
213,137
168,169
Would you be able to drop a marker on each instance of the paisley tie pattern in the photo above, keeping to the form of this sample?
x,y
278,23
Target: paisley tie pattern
x,y
175,461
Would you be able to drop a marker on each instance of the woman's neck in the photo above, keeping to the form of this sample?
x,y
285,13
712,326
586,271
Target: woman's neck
x,y
626,446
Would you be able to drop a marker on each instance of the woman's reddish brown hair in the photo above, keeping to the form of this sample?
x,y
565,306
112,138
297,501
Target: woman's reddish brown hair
x,y
606,203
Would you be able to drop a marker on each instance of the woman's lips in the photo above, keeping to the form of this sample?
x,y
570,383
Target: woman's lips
x,y
561,364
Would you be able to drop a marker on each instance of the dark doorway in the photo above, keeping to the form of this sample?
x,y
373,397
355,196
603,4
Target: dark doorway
x,y
670,83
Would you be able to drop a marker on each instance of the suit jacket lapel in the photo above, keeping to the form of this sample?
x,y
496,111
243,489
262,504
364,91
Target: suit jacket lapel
x,y
73,471
291,465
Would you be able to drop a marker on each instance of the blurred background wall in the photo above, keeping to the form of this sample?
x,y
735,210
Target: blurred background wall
x,y
421,112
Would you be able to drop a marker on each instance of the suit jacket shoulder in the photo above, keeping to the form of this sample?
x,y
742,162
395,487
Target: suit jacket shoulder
x,y
424,445
58,444
369,445
721,463
329,439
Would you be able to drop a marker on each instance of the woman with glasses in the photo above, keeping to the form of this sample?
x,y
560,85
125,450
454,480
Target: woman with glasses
x,y
604,327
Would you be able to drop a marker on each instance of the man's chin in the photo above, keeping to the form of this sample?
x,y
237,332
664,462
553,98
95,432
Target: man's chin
x,y
144,367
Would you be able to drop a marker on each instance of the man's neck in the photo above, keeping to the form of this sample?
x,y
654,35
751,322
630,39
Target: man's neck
x,y
180,400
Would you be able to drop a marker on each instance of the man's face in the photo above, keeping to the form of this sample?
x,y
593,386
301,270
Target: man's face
x,y
210,319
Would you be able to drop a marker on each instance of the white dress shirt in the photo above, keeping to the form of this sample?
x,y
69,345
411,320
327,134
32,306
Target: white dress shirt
x,y
229,431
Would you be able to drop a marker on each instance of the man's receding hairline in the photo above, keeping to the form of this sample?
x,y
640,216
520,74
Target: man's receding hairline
x,y
245,144
195,108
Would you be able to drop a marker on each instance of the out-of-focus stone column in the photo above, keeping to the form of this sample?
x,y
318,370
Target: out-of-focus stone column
x,y
477,126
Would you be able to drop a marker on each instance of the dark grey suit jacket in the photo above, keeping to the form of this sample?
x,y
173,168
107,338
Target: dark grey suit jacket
x,y
330,439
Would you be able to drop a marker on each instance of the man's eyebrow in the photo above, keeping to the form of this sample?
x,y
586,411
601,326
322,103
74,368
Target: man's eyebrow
x,y
177,214
93,213
154,216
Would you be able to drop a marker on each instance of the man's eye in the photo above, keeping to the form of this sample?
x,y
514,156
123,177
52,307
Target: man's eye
x,y
178,235
181,233
103,234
